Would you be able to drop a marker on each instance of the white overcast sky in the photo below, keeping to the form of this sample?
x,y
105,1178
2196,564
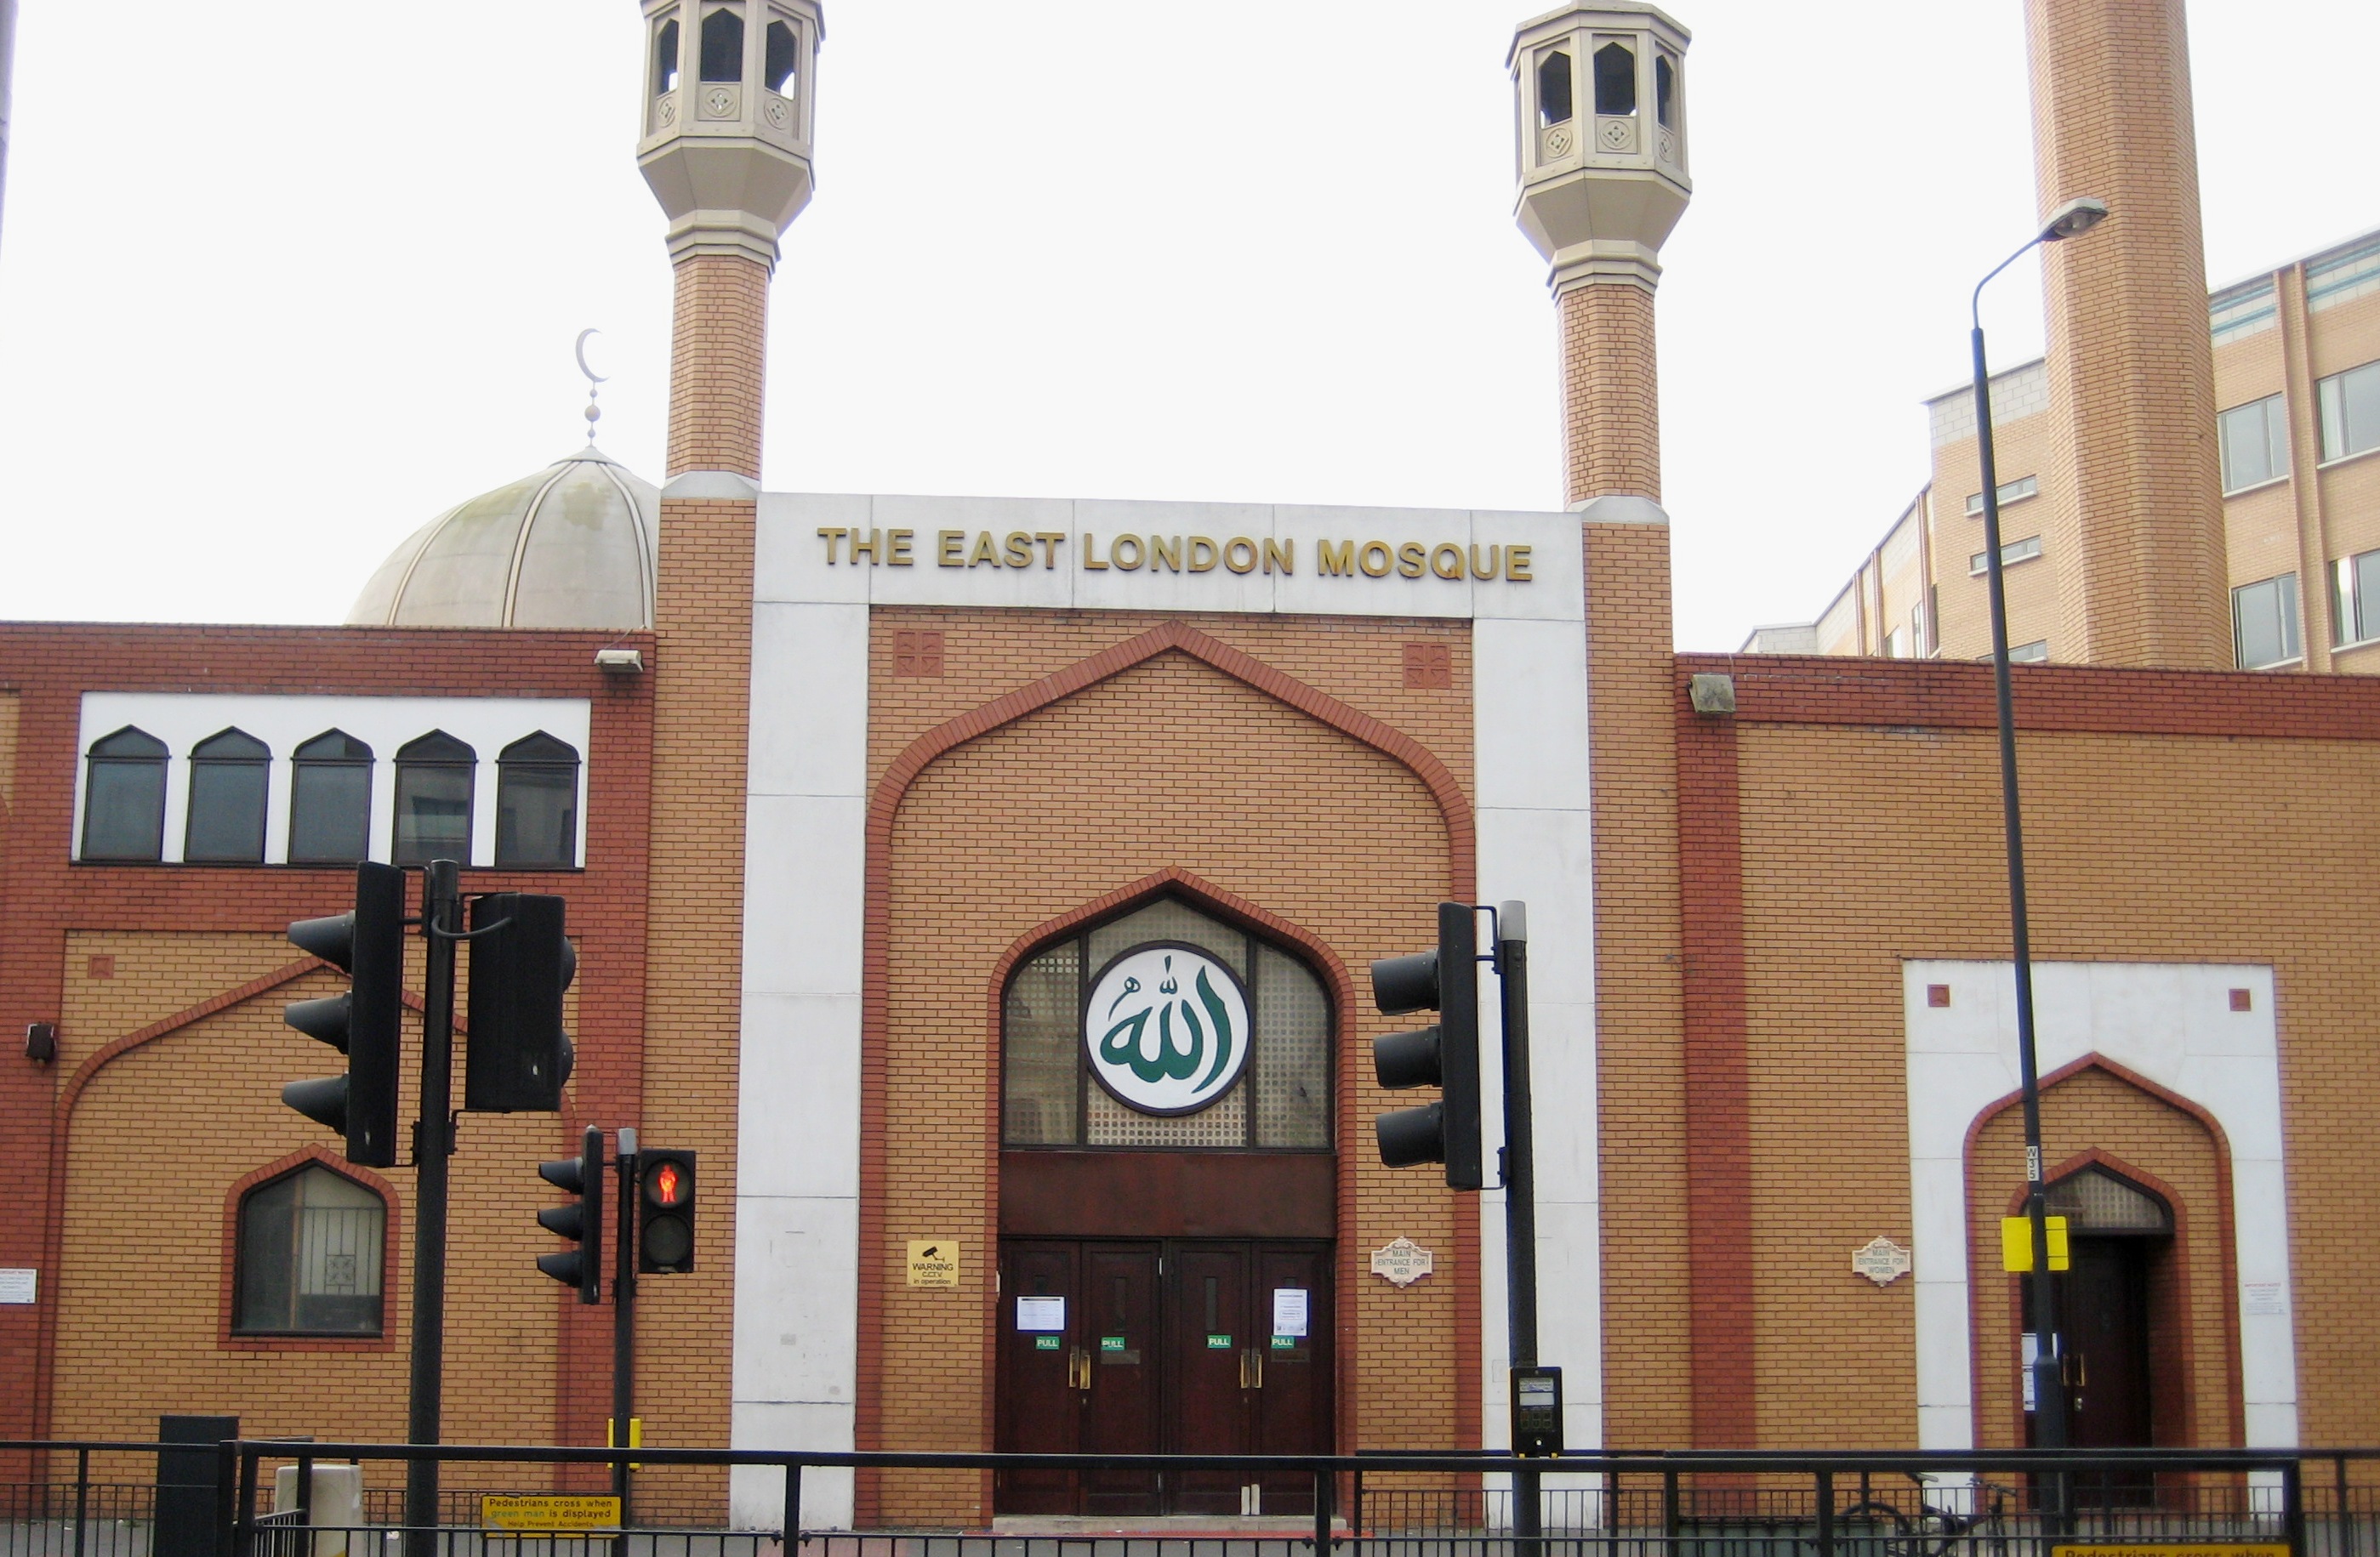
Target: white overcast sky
x,y
280,281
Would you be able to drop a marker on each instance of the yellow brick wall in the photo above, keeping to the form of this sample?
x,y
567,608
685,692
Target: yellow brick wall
x,y
1862,847
145,1217
1639,1026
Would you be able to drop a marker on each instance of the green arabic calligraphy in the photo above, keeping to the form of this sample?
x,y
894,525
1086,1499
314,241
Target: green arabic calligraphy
x,y
1176,1059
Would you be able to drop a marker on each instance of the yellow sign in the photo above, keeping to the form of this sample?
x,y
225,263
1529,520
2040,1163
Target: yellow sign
x,y
556,1513
2016,1250
2171,1549
933,1261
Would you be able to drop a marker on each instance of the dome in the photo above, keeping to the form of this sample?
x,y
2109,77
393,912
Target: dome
x,y
572,546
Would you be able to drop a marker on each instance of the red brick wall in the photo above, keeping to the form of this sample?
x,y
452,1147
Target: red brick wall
x,y
178,935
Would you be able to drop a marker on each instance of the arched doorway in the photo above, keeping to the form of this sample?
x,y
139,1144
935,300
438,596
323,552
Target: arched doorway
x,y
1167,1212
2110,1303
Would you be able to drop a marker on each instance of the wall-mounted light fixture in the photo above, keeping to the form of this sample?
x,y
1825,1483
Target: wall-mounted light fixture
x,y
620,661
41,1042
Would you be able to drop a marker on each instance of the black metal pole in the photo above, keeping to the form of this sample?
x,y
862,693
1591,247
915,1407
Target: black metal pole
x,y
623,1317
1520,1187
2050,1429
434,1143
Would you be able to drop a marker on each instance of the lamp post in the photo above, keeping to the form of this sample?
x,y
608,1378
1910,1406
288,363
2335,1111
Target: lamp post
x,y
2050,1426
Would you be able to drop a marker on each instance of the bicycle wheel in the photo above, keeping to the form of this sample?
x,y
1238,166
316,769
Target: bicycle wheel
x,y
1874,1529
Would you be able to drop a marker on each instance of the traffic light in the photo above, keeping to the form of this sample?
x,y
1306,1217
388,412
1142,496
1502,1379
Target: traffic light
x,y
1446,1056
664,1211
368,944
583,1221
516,1055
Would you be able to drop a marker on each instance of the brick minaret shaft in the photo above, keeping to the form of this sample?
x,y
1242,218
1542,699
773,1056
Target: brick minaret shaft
x,y
1603,180
2143,578
702,628
728,157
1611,408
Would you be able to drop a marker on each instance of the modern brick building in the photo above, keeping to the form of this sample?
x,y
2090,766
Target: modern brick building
x,y
878,849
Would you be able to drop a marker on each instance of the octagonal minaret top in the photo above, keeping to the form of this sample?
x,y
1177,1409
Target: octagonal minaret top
x,y
1600,92
727,117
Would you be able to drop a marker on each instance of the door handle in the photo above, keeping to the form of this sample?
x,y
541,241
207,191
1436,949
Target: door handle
x,y
1251,1369
1078,1368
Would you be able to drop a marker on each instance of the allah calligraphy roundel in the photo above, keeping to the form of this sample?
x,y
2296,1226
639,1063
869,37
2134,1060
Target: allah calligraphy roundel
x,y
1166,1029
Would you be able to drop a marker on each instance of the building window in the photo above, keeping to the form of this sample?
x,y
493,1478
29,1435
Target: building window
x,y
2017,490
722,45
330,800
1281,1097
2355,600
2264,621
665,59
124,797
2255,439
777,71
537,804
309,1257
2351,411
226,816
1553,90
1615,80
2011,553
433,800
1665,90
2033,653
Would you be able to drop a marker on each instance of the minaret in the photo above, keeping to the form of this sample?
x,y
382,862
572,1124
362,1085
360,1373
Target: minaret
x,y
726,116
2138,536
1601,97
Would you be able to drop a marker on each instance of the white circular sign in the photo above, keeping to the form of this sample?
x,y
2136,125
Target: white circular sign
x,y
1167,1028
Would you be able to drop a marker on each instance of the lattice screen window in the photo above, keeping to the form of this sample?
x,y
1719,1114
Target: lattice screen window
x,y
1281,1100
2096,1201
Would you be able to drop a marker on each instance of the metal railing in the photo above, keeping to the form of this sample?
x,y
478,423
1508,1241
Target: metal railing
x,y
1691,1503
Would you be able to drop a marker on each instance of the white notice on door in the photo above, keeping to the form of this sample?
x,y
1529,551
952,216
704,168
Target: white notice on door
x,y
1289,1310
16,1286
1041,1313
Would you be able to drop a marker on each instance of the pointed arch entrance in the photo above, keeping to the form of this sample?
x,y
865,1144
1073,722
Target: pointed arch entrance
x,y
1167,1208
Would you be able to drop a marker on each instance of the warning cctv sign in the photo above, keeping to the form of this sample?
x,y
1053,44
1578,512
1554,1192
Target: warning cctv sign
x,y
933,1261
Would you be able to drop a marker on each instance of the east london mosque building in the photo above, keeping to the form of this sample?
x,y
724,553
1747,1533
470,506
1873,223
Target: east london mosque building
x,y
885,789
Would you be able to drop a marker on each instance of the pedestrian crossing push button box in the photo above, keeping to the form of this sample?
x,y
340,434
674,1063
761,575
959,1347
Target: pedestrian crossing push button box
x,y
1536,1412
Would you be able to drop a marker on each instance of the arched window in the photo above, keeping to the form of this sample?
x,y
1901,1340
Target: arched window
x,y
1553,89
433,800
226,816
1166,1028
124,797
537,804
330,800
722,45
309,1257
1615,80
666,58
1665,90
777,71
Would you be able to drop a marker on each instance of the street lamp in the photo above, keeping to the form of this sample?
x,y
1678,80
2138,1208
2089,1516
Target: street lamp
x,y
2050,1427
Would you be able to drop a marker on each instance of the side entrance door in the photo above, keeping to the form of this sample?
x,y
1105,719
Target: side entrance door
x,y
1197,1346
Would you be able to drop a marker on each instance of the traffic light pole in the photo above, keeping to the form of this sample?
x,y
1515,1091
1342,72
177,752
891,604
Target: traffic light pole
x,y
434,1143
623,1320
1520,1187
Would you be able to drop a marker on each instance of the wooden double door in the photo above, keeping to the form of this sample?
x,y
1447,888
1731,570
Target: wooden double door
x,y
1181,1345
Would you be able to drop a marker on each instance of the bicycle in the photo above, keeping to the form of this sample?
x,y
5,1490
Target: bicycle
x,y
1877,1527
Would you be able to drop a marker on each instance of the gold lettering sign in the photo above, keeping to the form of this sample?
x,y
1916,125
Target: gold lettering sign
x,y
1447,559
